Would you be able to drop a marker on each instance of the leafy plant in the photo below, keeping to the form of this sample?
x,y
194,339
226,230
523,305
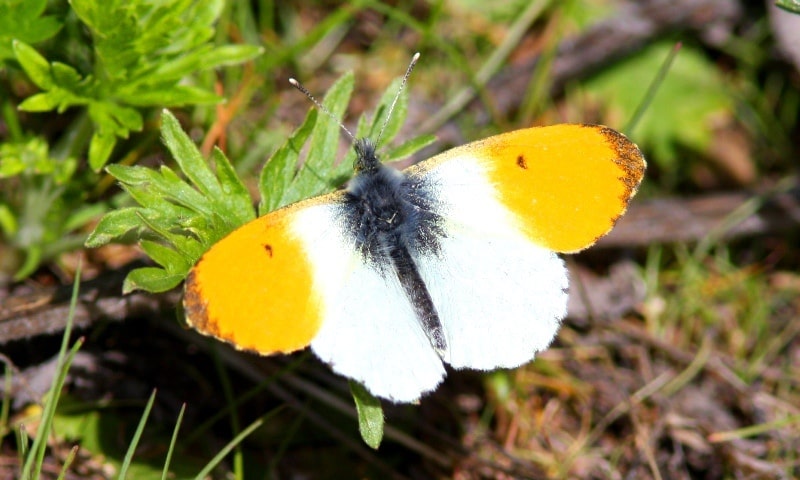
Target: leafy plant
x,y
141,56
22,20
41,204
142,51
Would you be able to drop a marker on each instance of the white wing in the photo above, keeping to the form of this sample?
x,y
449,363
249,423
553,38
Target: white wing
x,y
499,296
369,331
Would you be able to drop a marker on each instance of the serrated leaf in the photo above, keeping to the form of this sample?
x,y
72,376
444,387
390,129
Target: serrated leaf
x,y
311,179
280,169
172,188
132,174
370,415
167,257
128,118
65,76
178,67
235,197
114,224
150,279
187,156
21,20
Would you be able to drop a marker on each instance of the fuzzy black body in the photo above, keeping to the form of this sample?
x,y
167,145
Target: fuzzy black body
x,y
389,218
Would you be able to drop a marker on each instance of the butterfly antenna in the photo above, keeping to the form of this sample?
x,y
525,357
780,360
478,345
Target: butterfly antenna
x,y
321,107
397,97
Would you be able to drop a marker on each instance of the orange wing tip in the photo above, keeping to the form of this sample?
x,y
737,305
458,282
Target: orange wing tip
x,y
628,158
194,307
196,310
567,185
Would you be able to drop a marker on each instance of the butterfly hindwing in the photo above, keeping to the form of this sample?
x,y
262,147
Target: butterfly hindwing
x,y
369,332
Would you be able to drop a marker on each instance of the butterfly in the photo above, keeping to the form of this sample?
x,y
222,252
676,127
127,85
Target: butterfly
x,y
451,261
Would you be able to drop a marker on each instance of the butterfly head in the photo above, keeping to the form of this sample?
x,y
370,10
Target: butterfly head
x,y
366,157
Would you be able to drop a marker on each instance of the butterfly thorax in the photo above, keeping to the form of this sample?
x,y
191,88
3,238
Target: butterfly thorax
x,y
385,208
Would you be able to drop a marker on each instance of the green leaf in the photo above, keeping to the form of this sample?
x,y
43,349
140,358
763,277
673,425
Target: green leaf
x,y
66,76
231,55
311,180
151,279
179,220
393,123
165,256
114,224
8,221
144,51
409,148
33,257
100,150
789,5
21,20
35,65
370,415
188,156
280,169
132,174
42,102
235,197
170,96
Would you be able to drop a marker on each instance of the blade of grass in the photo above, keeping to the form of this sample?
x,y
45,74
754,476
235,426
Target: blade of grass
x,y
123,470
172,441
225,450
286,440
68,461
238,458
652,89
753,430
22,444
35,459
457,102
5,407
739,215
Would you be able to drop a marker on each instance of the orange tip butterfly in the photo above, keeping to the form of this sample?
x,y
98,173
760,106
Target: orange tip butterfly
x,y
451,261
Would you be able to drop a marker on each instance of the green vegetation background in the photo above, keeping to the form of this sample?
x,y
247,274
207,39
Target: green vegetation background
x,y
85,86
